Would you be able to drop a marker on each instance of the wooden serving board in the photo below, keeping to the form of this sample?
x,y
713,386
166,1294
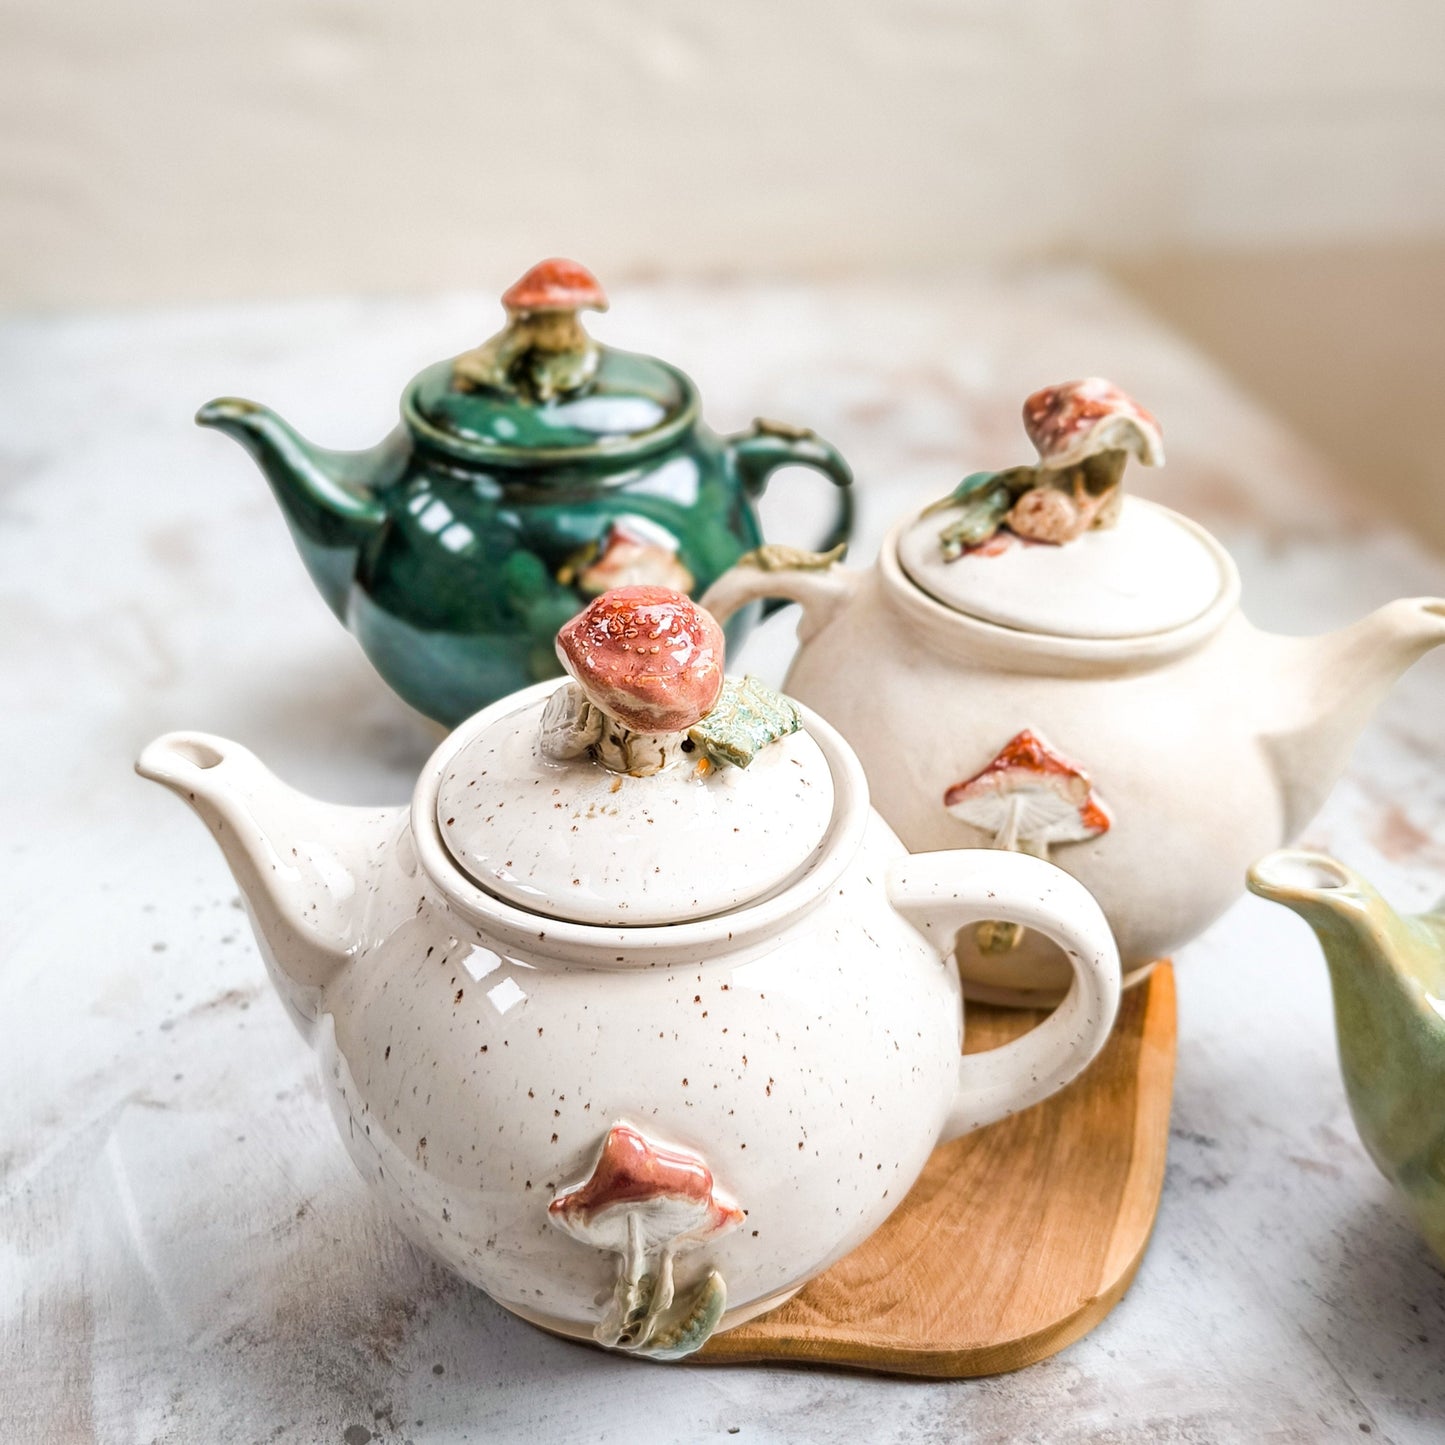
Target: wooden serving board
x,y
1017,1240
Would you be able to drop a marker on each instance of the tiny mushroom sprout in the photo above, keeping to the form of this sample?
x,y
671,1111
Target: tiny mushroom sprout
x,y
1084,432
1028,799
543,349
645,1202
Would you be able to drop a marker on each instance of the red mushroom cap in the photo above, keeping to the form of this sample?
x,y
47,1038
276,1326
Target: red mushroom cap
x,y
555,285
672,1190
647,656
1058,798
1077,419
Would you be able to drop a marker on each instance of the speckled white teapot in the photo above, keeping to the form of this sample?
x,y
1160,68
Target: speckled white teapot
x,y
638,1018
1039,664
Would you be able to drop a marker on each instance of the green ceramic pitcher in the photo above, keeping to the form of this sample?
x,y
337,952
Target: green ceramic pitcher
x,y
527,476
1387,974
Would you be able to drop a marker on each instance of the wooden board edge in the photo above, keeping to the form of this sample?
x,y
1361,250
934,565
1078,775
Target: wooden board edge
x,y
1144,1180
1159,1028
1002,1358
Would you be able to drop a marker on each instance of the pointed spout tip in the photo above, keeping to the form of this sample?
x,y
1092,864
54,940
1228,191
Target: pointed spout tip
x,y
1422,618
1293,875
177,760
229,411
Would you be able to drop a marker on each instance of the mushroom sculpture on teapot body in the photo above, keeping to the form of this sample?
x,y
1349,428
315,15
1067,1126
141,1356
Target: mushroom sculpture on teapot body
x,y
1206,741
646,1202
677,994
1027,798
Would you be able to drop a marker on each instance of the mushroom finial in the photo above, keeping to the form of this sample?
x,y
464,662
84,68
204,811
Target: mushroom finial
x,y
1084,432
1074,420
648,687
649,657
646,1201
1028,798
543,351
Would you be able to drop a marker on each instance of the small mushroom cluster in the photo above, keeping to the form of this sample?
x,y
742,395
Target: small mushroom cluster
x,y
645,1202
648,689
1084,432
543,351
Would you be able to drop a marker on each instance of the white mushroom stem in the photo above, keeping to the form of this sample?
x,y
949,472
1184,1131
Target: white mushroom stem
x,y
1008,834
623,750
625,1292
663,1291
573,724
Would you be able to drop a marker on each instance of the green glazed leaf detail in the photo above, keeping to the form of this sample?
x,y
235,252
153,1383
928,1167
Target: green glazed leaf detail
x,y
747,717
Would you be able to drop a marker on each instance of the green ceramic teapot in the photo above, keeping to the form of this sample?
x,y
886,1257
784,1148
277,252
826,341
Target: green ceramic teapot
x,y
1388,978
527,476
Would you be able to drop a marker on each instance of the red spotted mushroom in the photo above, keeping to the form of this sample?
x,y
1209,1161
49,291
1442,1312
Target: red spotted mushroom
x,y
644,1202
1075,420
648,657
1085,432
543,350
1027,799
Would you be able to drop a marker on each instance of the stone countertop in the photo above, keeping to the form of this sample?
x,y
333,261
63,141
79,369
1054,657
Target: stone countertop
x,y
186,1254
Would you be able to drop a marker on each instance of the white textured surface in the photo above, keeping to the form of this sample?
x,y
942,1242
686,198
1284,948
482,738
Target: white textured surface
x,y
164,149
185,1253
1144,575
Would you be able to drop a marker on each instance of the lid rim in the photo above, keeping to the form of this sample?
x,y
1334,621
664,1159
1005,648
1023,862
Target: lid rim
x,y
598,944
429,435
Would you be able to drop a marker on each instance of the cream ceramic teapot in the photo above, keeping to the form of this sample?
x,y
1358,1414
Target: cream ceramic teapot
x,y
1040,664
638,1017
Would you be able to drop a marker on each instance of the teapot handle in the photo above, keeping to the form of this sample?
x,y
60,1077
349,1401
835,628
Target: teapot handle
x,y
939,893
820,590
767,445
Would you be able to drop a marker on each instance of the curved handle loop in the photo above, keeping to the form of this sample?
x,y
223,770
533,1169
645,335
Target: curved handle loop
x,y
820,591
758,452
939,893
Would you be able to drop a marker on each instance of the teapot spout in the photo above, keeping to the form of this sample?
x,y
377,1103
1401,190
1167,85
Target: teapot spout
x,y
1321,691
329,497
301,866
1387,975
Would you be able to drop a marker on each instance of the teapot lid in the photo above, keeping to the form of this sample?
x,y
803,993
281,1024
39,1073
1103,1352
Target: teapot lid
x,y
1056,547
648,789
542,390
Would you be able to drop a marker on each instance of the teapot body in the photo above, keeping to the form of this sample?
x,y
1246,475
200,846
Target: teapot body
x,y
698,1114
927,699
457,596
472,1080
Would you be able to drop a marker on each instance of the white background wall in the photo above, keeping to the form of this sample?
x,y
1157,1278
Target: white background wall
x,y
173,149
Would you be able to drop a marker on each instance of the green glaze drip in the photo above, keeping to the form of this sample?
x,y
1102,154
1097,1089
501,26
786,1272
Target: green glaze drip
x,y
1387,976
